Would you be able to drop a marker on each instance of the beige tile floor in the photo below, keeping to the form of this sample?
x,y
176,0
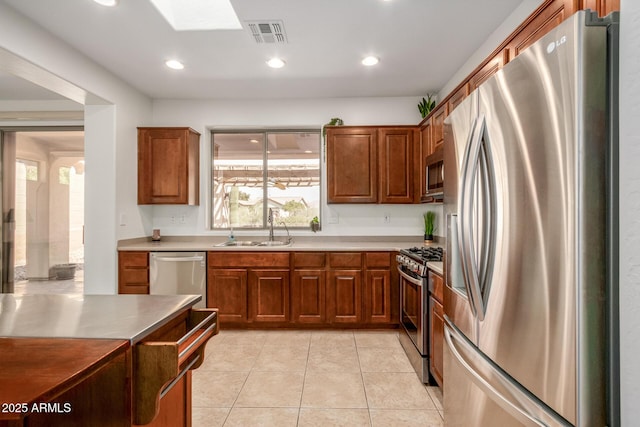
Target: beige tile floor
x,y
311,378
71,286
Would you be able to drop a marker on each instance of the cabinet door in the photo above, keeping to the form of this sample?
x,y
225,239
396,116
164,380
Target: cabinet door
x,y
436,340
395,152
352,165
308,296
605,7
377,297
344,296
457,98
424,151
488,70
269,295
437,132
168,166
227,291
133,272
546,17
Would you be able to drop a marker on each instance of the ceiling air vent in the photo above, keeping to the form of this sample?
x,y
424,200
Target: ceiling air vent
x,y
267,31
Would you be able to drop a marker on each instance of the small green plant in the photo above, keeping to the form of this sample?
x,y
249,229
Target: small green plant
x,y
426,105
429,223
315,224
336,121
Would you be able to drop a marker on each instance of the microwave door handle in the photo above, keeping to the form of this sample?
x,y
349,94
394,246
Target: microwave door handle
x,y
467,223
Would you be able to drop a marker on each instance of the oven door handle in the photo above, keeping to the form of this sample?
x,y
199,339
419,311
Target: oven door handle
x,y
417,282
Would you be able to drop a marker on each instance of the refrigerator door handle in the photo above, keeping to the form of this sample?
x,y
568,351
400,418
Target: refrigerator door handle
x,y
466,234
498,386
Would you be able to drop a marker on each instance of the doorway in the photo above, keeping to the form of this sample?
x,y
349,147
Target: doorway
x,y
43,210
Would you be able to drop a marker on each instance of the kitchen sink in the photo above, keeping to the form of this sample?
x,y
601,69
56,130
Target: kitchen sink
x,y
238,243
275,243
255,243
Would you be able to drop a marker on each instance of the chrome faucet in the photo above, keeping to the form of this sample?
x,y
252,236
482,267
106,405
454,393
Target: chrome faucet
x,y
287,229
227,206
270,221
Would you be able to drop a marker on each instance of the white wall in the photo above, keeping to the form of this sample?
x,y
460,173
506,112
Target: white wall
x,y
630,210
493,41
356,220
113,109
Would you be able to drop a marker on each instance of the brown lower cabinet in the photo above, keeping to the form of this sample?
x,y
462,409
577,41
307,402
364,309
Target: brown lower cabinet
x,y
436,322
308,296
324,289
227,291
344,296
269,295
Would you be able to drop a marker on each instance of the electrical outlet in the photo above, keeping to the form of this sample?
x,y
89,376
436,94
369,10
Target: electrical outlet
x,y
387,218
183,219
173,219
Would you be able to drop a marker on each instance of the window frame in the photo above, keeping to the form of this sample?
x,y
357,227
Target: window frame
x,y
265,163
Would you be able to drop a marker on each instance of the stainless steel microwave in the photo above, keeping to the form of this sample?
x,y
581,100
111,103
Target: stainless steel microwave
x,y
434,176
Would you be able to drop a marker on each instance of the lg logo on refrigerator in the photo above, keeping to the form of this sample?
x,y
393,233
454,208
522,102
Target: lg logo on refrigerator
x,y
553,45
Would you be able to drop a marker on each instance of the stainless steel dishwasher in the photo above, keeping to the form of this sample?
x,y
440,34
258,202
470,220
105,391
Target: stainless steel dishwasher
x,y
178,273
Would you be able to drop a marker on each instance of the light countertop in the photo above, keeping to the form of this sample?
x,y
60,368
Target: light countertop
x,y
303,243
437,267
129,317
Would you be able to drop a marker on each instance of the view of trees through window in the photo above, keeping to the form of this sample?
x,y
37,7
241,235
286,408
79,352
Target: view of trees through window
x,y
279,166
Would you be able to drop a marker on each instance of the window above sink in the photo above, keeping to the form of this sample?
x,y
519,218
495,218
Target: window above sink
x,y
251,166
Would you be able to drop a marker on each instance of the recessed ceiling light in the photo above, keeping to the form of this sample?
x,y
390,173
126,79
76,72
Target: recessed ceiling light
x,y
370,60
176,65
275,63
107,2
195,15
308,151
253,141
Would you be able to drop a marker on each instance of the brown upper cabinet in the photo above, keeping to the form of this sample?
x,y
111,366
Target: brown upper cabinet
x,y
488,70
370,164
168,166
352,165
457,97
437,126
552,14
395,155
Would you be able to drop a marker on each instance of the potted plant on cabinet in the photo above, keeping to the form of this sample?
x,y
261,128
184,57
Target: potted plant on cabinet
x,y
429,226
426,105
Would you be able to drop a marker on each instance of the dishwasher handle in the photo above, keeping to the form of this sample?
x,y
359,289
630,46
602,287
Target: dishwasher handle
x,y
198,258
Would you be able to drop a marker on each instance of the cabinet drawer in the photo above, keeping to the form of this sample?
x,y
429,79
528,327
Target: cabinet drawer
x,y
134,276
309,259
436,286
134,259
249,259
345,260
377,259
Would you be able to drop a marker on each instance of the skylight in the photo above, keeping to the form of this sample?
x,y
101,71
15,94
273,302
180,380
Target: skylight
x,y
193,15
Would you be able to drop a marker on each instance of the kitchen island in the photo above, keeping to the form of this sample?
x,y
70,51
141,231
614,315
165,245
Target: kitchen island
x,y
107,360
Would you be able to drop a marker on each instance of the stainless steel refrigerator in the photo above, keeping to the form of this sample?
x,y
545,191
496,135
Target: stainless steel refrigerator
x,y
530,205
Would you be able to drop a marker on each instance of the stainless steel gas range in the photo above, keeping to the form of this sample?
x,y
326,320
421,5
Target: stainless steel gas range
x,y
414,305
